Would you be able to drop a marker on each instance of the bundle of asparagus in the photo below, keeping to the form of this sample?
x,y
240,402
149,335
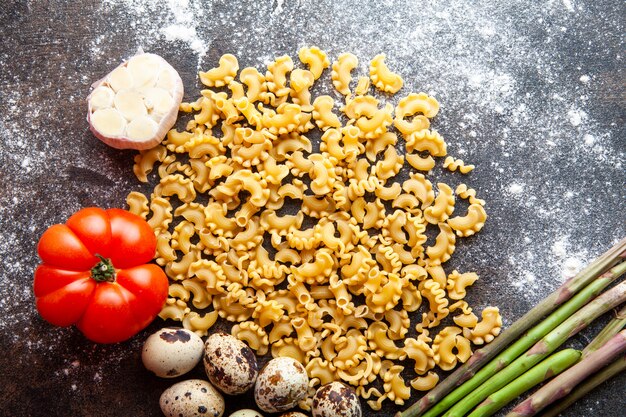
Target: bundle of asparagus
x,y
520,357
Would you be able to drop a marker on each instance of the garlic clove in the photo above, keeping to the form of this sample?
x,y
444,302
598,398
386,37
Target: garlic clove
x,y
108,121
144,69
166,80
120,79
141,128
101,98
130,104
157,100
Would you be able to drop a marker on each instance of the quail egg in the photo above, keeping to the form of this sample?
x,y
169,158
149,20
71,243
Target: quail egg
x,y
229,363
280,385
171,352
293,414
336,400
194,397
246,412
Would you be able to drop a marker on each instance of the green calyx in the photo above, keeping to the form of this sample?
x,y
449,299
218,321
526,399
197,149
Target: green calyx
x,y
103,271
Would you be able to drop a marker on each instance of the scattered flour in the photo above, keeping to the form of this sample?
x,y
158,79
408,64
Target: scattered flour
x,y
515,188
576,117
508,106
178,21
568,5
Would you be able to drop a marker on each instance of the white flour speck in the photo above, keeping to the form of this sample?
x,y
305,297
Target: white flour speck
x,y
515,188
576,117
279,7
568,5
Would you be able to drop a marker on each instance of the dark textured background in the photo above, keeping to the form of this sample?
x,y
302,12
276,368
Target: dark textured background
x,y
532,93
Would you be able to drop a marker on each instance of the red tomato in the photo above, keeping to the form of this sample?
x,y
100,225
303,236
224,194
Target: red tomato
x,y
95,275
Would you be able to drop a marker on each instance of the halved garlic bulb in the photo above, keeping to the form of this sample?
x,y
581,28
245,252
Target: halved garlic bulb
x,y
136,104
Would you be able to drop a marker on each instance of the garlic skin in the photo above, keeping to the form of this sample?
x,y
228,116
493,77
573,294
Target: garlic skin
x,y
136,104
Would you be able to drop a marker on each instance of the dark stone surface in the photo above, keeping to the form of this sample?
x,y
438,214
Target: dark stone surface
x,y
533,94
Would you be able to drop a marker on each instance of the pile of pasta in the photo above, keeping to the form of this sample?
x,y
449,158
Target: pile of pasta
x,y
316,255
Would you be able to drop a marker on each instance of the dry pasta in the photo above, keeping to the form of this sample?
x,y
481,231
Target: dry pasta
x,y
319,255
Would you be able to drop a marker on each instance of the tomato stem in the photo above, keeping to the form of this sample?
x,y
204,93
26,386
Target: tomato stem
x,y
103,271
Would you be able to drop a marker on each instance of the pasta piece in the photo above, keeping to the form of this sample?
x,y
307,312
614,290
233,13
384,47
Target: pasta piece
x,y
425,383
449,347
176,185
443,206
145,160
436,297
466,321
341,72
276,76
471,223
268,312
253,335
390,165
426,141
288,347
399,323
323,113
421,188
164,252
488,328
457,284
223,74
138,204
453,164
382,77
380,343
444,245
301,81
285,119
376,145
315,58
420,352
420,163
393,384
200,324
362,86
411,105
255,82
463,191
161,214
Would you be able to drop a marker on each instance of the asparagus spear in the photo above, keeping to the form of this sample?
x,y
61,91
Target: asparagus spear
x,y
550,366
586,386
610,330
525,342
564,383
549,343
550,303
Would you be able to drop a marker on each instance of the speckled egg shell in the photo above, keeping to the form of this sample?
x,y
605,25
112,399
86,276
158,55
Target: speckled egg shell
x,y
229,363
192,398
171,352
336,400
293,414
246,412
280,385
